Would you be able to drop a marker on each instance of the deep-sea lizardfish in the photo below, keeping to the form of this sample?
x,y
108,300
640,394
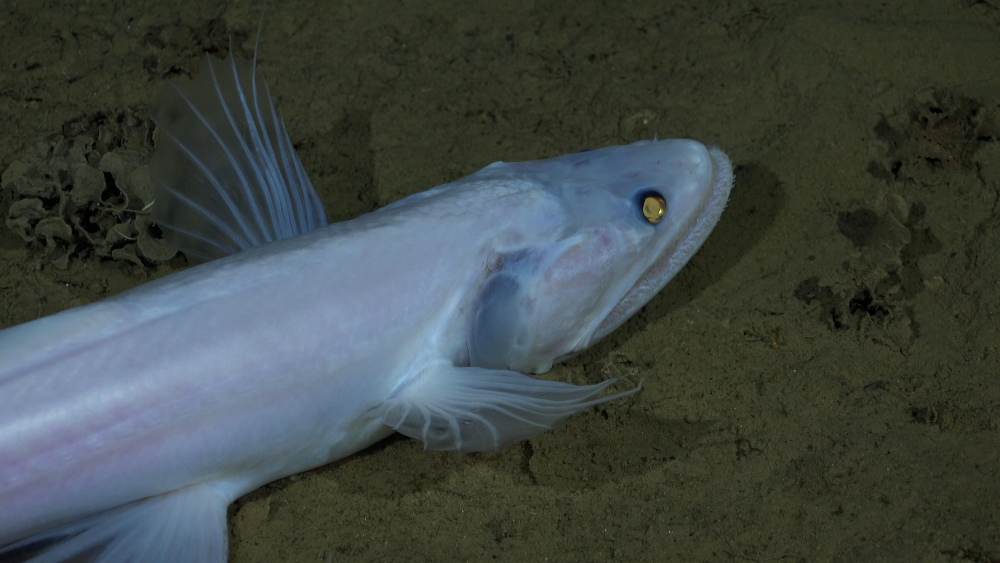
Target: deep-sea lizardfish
x,y
128,426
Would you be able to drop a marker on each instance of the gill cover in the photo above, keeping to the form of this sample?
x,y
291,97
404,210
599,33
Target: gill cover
x,y
501,325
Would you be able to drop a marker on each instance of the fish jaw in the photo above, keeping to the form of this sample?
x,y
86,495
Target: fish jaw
x,y
705,209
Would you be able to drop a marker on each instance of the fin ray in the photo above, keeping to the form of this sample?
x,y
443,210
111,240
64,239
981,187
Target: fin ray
x,y
226,172
476,409
184,525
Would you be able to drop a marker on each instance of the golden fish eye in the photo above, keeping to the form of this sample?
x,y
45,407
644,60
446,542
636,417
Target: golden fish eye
x,y
653,208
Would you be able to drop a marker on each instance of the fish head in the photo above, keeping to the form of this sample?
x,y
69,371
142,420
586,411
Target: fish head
x,y
593,239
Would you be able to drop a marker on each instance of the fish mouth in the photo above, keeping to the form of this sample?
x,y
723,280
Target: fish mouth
x,y
676,254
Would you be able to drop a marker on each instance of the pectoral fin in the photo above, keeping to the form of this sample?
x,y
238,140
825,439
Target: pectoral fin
x,y
185,525
473,409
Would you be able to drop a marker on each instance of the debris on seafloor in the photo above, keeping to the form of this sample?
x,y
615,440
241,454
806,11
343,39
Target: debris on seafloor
x,y
85,190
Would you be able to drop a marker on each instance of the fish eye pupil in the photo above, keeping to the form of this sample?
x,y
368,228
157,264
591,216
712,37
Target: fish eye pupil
x,y
653,208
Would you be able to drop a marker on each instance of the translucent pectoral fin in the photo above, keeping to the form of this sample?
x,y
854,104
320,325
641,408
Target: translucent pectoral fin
x,y
475,409
185,525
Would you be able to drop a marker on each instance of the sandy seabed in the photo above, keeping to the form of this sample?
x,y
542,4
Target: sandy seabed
x,y
822,382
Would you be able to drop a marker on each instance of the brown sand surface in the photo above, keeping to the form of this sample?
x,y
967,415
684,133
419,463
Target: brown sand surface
x,y
822,382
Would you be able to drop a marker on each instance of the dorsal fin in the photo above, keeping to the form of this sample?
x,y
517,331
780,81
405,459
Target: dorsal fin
x,y
227,177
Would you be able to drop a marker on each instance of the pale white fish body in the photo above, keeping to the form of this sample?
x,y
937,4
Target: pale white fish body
x,y
127,426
